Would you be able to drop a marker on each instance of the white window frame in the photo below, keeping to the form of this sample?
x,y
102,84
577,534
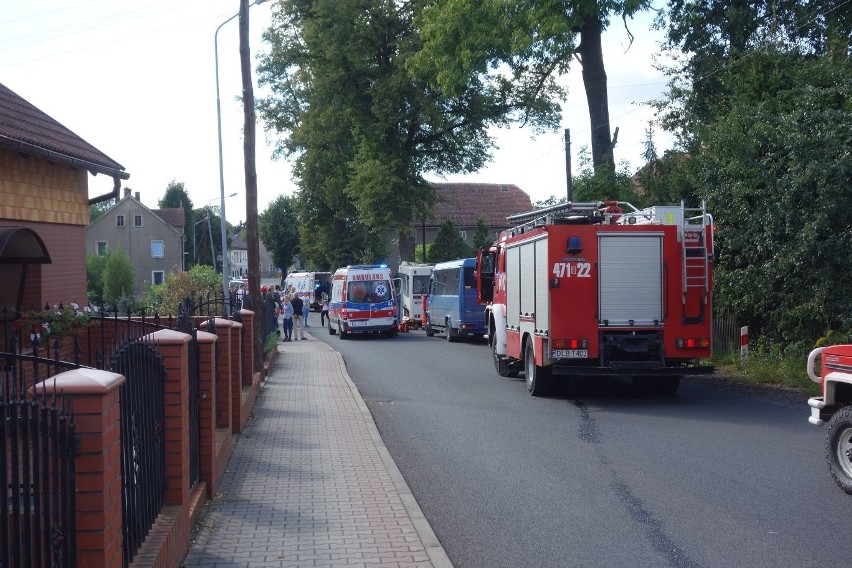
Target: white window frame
x,y
162,249
98,250
154,278
463,235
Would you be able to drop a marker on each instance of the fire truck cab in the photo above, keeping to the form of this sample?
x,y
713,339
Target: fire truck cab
x,y
589,289
834,408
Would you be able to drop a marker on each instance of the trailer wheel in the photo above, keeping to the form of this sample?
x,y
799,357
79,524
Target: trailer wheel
x,y
504,369
538,378
838,448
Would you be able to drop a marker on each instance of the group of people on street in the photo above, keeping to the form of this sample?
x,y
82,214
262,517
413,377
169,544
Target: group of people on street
x,y
292,310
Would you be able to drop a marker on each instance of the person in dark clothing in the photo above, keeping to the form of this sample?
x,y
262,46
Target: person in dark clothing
x,y
297,304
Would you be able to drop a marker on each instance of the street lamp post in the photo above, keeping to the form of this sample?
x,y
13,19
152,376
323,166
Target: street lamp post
x,y
225,269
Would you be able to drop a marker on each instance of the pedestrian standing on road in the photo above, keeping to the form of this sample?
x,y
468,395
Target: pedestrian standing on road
x,y
324,312
306,307
297,304
287,318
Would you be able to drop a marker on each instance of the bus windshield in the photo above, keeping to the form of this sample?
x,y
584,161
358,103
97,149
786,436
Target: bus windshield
x,y
369,291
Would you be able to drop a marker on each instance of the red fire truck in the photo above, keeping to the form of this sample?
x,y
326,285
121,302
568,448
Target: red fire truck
x,y
600,288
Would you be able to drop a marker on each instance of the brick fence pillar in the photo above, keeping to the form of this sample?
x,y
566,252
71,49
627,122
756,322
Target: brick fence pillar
x,y
248,347
174,347
224,366
207,405
97,418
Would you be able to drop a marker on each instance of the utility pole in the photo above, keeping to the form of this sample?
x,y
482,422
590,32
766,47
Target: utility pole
x,y
568,165
252,240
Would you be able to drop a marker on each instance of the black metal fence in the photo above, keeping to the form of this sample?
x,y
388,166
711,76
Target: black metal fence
x,y
104,339
37,459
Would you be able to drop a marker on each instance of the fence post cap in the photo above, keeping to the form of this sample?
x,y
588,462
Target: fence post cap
x,y
82,381
222,322
206,337
167,337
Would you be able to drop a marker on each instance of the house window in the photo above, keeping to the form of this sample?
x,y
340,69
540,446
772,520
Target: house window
x,y
157,276
137,220
119,220
156,249
101,248
463,235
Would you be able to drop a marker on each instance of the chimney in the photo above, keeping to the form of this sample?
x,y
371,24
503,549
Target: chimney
x,y
136,195
126,191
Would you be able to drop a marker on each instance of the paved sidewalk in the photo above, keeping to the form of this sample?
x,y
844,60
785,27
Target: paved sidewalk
x,y
310,482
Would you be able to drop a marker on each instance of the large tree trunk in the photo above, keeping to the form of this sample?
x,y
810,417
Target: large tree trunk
x,y
594,79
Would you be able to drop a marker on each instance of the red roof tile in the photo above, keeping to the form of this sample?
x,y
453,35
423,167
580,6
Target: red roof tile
x,y
464,203
174,216
25,127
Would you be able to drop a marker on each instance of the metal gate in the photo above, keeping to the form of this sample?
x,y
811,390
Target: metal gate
x,y
143,459
37,459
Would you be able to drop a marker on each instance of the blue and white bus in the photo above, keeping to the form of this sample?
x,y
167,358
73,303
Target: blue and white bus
x,y
451,306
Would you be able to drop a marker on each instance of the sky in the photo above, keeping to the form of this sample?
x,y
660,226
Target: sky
x,y
137,80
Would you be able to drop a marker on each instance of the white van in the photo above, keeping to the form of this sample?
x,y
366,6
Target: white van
x,y
363,300
309,286
414,286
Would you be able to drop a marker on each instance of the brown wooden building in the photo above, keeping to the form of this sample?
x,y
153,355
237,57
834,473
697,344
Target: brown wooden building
x,y
44,205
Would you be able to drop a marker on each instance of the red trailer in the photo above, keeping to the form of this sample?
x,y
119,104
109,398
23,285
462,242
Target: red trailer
x,y
591,289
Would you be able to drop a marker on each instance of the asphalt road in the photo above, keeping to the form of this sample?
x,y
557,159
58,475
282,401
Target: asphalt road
x,y
597,474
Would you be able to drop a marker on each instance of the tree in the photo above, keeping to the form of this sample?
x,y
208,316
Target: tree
x,y
95,265
197,282
482,236
774,167
448,244
761,103
714,34
176,196
362,128
118,276
472,43
98,209
279,230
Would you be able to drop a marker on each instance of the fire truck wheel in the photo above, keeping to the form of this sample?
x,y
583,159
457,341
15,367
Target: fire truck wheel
x,y
504,368
838,448
537,378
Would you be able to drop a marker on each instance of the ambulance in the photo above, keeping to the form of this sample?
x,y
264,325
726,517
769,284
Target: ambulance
x,y
309,286
363,300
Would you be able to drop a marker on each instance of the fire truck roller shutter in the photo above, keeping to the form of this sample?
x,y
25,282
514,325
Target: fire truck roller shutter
x,y
527,279
542,292
631,279
513,287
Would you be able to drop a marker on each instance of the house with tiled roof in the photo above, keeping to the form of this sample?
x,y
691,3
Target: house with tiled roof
x,y
238,259
152,238
44,205
464,204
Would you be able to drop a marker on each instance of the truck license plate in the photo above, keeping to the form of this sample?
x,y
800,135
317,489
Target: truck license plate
x,y
570,353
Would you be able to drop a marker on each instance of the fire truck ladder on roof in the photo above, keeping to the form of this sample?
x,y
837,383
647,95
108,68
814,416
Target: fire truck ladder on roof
x,y
694,252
